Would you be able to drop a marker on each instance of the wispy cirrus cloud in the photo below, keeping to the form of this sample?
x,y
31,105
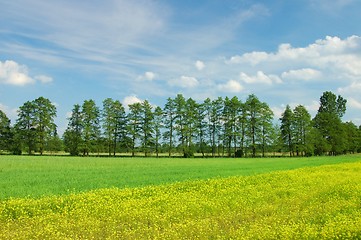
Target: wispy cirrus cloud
x,y
79,30
331,6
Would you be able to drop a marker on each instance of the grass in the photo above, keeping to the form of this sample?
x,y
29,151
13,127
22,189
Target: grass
x,y
309,203
37,176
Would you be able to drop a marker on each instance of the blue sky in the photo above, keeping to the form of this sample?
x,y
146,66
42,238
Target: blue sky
x,y
285,52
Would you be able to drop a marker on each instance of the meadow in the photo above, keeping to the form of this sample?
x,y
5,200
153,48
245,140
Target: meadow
x,y
297,198
37,176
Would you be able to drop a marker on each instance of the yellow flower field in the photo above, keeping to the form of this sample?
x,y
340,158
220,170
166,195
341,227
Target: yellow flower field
x,y
310,203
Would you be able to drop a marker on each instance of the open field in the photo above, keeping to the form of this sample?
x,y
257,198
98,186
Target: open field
x,y
321,202
30,176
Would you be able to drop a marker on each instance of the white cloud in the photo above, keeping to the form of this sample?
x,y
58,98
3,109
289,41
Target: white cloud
x,y
302,74
332,62
200,65
337,57
260,77
14,74
253,58
231,86
149,76
184,82
131,100
44,79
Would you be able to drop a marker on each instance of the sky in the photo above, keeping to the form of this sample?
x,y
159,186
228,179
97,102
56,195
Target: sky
x,y
284,52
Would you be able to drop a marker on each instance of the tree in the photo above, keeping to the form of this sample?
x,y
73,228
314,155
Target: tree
x,y
180,121
328,122
44,113
267,130
301,127
35,124
147,126
253,106
54,144
287,132
242,128
158,125
73,134
6,137
91,127
114,123
215,108
335,106
134,124
169,123
231,126
190,126
201,128
352,137
25,127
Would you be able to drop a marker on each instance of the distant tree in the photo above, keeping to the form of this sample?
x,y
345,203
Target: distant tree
x,y
44,113
277,141
242,126
114,123
352,137
359,140
207,107
201,128
25,127
54,144
330,104
134,124
35,124
91,127
158,125
169,112
215,123
230,119
147,127
328,122
6,136
254,121
302,128
121,121
180,121
191,111
266,125
287,131
73,134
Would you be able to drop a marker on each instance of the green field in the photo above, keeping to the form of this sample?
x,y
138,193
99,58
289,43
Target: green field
x,y
311,198
36,176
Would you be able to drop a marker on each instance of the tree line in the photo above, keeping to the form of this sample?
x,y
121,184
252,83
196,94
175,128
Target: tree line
x,y
218,127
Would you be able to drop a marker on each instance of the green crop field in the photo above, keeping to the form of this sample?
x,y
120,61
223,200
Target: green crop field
x,y
141,198
36,176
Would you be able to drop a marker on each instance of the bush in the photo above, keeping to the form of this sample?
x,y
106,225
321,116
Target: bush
x,y
188,153
238,153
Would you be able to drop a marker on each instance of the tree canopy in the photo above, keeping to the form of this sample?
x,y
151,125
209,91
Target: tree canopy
x,y
183,127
